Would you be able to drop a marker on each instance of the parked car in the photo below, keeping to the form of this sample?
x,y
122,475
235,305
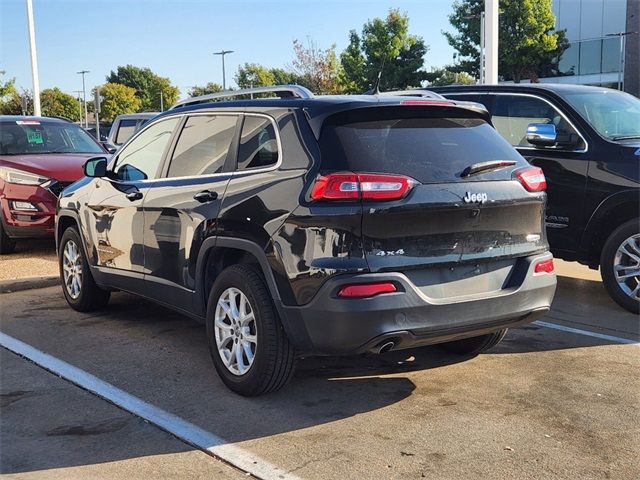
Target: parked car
x,y
314,225
39,157
587,141
104,132
126,125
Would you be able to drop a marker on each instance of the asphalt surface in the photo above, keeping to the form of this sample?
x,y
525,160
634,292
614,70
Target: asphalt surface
x,y
31,258
544,403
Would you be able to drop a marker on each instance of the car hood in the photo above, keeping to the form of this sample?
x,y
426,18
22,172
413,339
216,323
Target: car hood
x,y
64,167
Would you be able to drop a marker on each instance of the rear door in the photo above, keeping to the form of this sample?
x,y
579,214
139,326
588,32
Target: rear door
x,y
183,211
447,218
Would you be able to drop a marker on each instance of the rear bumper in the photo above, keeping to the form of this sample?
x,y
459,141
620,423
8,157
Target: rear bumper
x,y
27,223
333,325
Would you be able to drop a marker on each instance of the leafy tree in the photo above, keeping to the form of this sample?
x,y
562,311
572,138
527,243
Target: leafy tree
x,y
316,68
11,104
447,76
384,44
526,31
197,91
118,99
254,75
6,87
147,85
283,77
56,103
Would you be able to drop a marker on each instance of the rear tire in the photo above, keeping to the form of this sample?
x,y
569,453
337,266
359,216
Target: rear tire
x,y
7,245
240,315
475,345
82,294
622,249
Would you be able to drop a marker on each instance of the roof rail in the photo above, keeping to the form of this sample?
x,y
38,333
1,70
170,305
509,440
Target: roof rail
x,y
282,91
414,92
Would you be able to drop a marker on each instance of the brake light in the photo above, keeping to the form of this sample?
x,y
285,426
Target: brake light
x,y
365,290
532,179
368,186
545,266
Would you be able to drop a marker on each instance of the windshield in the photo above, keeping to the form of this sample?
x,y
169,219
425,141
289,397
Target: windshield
x,y
26,137
615,115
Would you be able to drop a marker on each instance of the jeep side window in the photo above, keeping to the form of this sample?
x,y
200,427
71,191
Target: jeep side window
x,y
513,113
203,145
141,158
258,144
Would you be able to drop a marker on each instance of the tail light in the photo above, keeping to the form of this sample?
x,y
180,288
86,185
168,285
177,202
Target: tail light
x,y
365,290
545,266
532,178
367,186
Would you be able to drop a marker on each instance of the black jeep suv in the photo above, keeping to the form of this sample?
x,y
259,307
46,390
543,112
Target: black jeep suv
x,y
587,141
314,225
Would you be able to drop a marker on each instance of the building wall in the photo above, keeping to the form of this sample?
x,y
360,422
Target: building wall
x,y
594,56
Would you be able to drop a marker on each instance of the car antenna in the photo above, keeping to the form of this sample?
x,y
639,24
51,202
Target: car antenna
x,y
375,89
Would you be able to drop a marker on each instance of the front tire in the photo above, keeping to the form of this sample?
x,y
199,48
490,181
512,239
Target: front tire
x,y
248,346
79,288
475,345
7,245
620,265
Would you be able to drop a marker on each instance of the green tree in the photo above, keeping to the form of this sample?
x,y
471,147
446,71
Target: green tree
x,y
384,44
316,68
56,103
148,86
6,87
526,29
447,76
254,75
198,91
11,104
117,99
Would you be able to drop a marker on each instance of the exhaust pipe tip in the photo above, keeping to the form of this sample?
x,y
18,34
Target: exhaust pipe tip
x,y
385,347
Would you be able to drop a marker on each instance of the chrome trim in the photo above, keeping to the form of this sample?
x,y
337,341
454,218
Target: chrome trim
x,y
562,114
213,175
296,91
416,92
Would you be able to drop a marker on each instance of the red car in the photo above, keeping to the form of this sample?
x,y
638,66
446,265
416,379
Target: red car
x,y
39,157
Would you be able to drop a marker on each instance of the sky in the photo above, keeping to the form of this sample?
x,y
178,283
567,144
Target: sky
x,y
176,39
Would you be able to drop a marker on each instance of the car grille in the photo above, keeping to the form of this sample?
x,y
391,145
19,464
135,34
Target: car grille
x,y
57,187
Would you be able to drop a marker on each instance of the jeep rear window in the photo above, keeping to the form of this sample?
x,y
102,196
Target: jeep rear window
x,y
419,142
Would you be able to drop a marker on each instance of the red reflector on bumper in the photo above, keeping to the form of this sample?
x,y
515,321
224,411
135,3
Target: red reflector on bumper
x,y
364,290
545,266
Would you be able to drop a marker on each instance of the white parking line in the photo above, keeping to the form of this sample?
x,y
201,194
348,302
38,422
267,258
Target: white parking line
x,y
188,432
601,336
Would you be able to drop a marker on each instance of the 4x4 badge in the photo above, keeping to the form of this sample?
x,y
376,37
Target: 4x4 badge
x,y
475,197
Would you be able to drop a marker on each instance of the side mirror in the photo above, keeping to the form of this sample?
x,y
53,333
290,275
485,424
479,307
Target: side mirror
x,y
542,134
96,167
109,148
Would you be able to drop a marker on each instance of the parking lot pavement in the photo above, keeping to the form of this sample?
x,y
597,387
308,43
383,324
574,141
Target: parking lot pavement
x,y
544,403
32,258
49,428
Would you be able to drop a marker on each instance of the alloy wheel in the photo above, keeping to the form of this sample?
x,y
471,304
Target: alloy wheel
x,y
626,267
235,331
72,269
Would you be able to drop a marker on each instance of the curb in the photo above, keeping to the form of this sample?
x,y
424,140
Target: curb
x,y
9,286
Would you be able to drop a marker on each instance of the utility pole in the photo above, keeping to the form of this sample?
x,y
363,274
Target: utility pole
x,y
482,16
34,60
161,102
78,92
491,41
222,53
84,98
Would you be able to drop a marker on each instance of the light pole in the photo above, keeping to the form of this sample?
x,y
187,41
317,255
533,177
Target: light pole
x,y
78,92
222,53
621,63
34,60
491,41
84,99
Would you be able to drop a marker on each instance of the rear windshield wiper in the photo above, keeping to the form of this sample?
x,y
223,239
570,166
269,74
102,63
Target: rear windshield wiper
x,y
485,166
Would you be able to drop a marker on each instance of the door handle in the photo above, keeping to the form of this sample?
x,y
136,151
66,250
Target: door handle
x,y
205,196
133,196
